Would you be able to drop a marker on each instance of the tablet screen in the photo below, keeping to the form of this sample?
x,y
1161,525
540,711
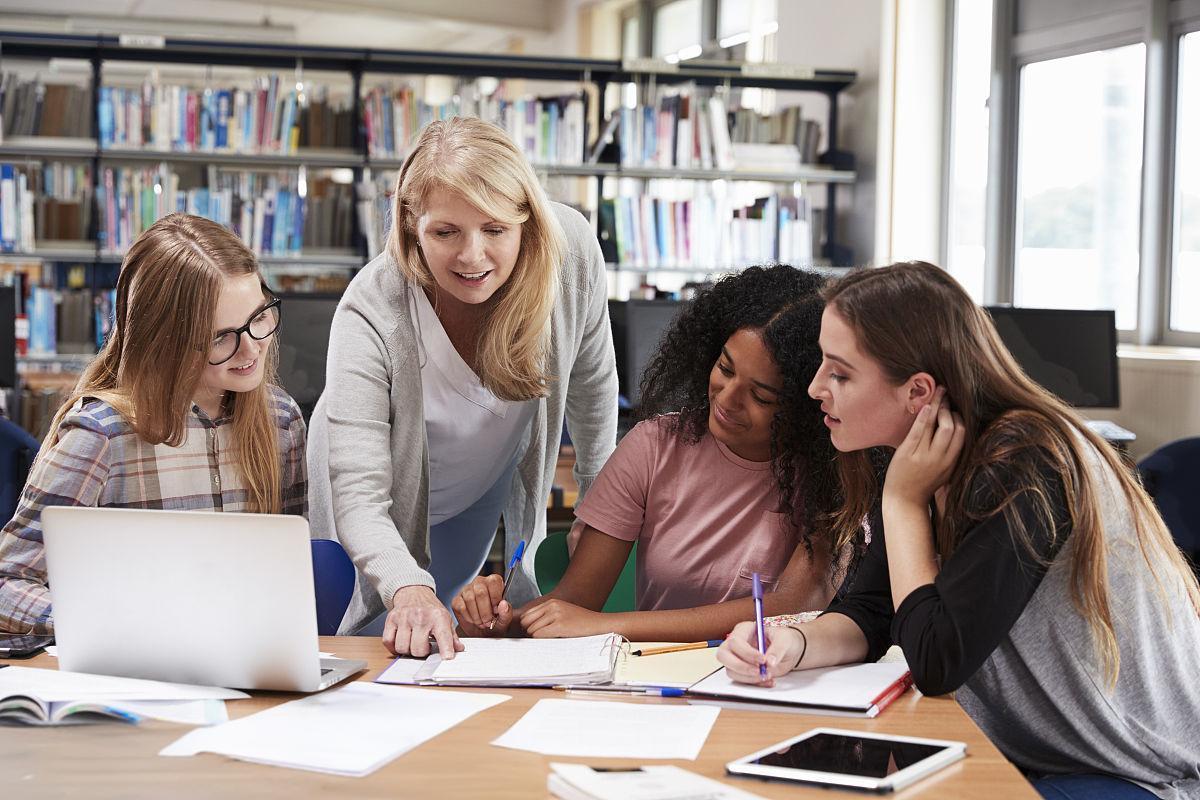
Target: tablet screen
x,y
848,755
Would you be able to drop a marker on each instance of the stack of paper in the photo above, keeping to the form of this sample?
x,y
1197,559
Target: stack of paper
x,y
515,662
598,729
350,731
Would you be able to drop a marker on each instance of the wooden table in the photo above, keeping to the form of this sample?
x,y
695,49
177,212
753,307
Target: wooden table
x,y
117,760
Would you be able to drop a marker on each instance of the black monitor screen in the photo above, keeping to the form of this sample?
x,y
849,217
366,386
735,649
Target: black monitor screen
x,y
303,342
8,337
638,328
1072,353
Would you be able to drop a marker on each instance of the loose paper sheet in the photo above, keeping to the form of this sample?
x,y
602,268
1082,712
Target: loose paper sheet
x,y
352,730
598,729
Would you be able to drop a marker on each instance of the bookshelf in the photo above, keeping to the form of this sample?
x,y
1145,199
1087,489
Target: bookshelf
x,y
116,70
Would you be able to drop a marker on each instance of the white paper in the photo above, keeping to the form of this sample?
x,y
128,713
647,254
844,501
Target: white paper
x,y
351,731
597,729
851,687
647,783
54,686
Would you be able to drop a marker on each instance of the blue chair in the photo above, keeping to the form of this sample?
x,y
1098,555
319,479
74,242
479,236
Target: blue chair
x,y
333,579
17,451
1171,475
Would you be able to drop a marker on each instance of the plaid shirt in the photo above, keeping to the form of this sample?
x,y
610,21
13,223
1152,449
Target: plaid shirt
x,y
98,460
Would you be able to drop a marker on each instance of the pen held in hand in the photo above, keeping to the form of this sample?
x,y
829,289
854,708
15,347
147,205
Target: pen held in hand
x,y
758,622
512,568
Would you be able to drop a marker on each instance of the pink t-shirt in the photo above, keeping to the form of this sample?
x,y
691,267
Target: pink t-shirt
x,y
704,519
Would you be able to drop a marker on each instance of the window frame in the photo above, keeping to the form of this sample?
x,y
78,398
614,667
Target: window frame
x,y
1184,19
1160,25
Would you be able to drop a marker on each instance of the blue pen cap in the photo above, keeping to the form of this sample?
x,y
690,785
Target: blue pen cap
x,y
758,593
516,556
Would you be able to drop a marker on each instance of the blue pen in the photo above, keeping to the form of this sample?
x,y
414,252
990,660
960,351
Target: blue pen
x,y
758,621
653,691
512,568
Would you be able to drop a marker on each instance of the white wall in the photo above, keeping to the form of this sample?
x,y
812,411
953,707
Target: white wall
x,y
844,34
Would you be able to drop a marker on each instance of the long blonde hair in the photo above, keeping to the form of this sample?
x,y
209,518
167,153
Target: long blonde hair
x,y
478,161
151,364
913,317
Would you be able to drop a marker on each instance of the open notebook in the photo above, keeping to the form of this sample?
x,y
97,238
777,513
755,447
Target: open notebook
x,y
581,661
859,690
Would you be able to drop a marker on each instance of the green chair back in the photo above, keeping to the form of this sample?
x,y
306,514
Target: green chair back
x,y
550,562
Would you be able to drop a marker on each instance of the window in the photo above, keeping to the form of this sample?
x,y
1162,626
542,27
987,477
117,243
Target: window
x,y
1185,269
1079,172
969,119
679,30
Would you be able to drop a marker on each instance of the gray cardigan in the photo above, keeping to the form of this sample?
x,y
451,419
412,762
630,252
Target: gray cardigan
x,y
368,456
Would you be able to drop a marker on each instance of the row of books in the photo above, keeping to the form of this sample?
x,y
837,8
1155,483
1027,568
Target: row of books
x,y
705,232
275,213
32,107
43,202
271,117
548,130
688,130
784,127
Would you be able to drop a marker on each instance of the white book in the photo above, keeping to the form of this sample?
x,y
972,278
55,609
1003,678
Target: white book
x,y
861,690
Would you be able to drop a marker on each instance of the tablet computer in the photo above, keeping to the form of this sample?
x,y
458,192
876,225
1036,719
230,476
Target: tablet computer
x,y
871,762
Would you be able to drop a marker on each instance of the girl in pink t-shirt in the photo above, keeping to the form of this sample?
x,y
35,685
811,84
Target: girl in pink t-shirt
x,y
729,473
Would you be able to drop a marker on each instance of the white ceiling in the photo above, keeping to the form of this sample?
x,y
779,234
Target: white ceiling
x,y
530,26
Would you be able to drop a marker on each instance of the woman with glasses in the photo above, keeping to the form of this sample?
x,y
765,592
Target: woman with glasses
x,y
454,358
180,409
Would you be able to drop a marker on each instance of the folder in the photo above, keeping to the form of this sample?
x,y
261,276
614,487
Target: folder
x,y
855,690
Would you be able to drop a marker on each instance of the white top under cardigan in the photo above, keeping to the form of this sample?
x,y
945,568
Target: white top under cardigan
x,y
368,457
473,435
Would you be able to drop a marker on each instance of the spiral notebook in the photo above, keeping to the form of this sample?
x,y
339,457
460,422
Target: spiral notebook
x,y
582,661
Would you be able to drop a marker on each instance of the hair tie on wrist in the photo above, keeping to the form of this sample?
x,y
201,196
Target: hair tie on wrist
x,y
804,649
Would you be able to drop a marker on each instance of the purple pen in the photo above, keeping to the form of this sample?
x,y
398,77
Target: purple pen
x,y
758,622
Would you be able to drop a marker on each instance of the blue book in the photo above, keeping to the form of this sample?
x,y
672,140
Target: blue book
x,y
298,225
42,337
268,232
223,106
106,117
9,208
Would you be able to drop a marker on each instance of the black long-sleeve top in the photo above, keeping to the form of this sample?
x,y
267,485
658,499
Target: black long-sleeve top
x,y
948,628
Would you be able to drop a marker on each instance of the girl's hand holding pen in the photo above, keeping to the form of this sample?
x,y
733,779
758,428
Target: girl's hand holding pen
x,y
741,658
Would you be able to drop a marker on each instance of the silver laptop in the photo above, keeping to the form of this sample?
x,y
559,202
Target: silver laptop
x,y
203,597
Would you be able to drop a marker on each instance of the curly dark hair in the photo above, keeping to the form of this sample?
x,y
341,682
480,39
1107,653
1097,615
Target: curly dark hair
x,y
784,304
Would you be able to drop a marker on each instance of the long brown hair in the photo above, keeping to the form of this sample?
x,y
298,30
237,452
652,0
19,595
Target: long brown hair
x,y
478,161
913,317
151,364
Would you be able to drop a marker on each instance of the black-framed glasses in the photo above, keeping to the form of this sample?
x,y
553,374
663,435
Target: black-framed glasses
x,y
264,323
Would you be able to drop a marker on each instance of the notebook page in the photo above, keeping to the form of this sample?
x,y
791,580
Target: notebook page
x,y
678,670
853,687
531,660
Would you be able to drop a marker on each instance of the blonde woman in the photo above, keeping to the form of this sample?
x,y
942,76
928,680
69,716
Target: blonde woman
x,y
179,410
453,359
1015,558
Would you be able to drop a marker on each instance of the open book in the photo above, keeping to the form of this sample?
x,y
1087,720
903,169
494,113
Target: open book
x,y
583,660
603,660
51,697
856,690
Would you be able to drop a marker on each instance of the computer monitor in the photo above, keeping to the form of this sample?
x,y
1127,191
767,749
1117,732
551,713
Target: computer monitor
x,y
8,337
638,327
1072,353
303,345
